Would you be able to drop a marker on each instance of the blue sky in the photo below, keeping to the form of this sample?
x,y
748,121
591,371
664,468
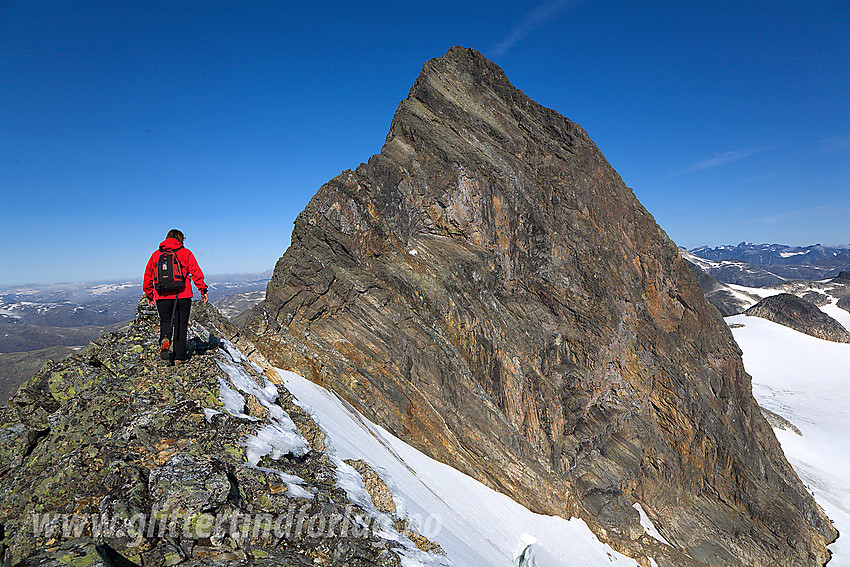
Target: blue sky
x,y
120,120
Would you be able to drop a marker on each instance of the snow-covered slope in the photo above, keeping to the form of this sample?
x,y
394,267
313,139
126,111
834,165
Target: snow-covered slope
x,y
837,313
476,526
807,381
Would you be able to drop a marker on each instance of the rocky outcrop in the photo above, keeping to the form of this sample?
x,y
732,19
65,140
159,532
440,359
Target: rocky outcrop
x,y
724,298
842,277
109,457
778,422
800,315
488,289
816,298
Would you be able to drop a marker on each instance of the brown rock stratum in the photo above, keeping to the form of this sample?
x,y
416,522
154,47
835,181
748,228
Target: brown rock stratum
x,y
489,290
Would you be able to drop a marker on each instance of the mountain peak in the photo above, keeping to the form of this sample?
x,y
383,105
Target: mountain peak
x,y
464,62
488,289
465,79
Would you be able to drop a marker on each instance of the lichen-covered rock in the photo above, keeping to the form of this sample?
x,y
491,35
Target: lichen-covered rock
x,y
111,457
382,498
375,486
489,290
800,315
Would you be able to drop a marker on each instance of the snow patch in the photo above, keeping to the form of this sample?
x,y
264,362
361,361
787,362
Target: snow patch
x,y
761,292
209,413
276,439
293,483
837,313
648,527
104,289
232,400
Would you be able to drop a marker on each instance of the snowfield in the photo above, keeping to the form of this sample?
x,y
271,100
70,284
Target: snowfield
x,y
807,381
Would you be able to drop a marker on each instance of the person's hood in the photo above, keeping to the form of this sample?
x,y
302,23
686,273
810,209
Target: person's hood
x,y
170,244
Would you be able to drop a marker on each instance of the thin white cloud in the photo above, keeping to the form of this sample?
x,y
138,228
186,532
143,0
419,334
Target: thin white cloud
x,y
716,160
773,219
534,19
759,177
820,212
835,143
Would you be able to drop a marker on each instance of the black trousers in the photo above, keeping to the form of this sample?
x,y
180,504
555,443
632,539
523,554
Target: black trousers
x,y
166,325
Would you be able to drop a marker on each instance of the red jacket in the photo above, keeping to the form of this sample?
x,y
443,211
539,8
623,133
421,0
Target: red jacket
x,y
187,262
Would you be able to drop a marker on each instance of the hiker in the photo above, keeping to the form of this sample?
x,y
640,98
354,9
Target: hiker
x,y
167,277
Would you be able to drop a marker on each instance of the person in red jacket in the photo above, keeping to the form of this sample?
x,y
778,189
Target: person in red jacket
x,y
165,303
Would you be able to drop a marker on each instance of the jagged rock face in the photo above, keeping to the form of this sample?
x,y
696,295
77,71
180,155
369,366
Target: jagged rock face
x,y
489,289
800,315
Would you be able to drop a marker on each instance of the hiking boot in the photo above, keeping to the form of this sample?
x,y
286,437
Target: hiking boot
x,y
164,346
178,362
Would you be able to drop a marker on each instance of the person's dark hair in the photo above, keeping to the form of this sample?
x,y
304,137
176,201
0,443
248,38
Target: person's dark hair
x,y
174,233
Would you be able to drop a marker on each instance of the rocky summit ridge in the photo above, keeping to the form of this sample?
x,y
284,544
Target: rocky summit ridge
x,y
111,458
489,290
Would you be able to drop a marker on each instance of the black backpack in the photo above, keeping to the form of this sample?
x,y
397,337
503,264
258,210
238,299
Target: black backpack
x,y
171,278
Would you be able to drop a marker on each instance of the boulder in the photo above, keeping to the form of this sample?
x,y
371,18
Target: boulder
x,y
800,315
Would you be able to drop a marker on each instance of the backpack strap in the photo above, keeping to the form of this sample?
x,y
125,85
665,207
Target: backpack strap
x,y
180,266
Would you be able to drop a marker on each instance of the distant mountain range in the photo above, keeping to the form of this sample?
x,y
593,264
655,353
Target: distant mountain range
x,y
733,285
89,304
813,262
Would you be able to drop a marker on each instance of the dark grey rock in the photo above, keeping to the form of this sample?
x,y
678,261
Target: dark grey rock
x,y
778,422
816,298
842,277
800,315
